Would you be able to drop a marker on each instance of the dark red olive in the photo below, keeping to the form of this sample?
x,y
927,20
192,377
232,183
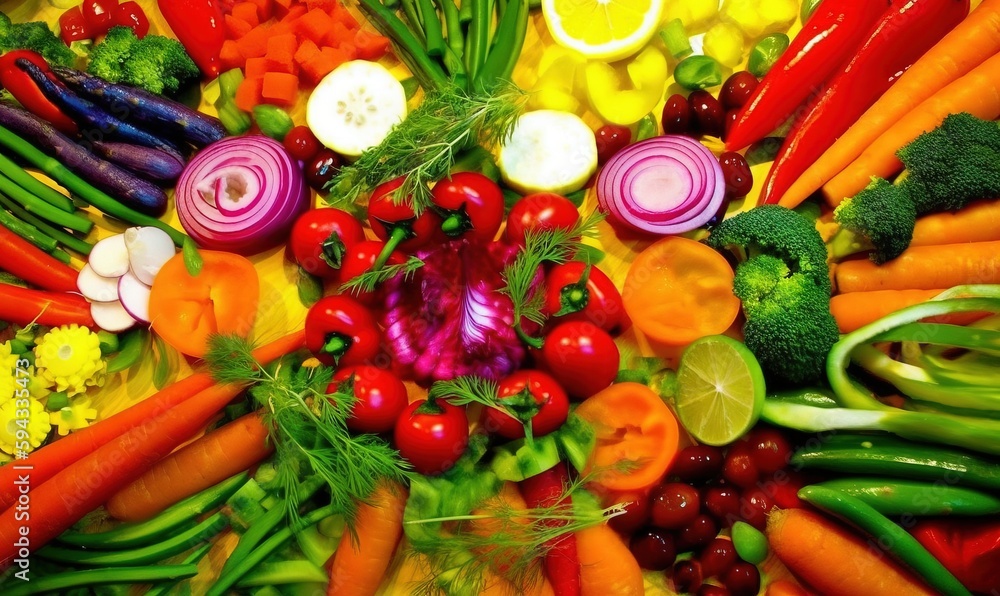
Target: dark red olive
x,y
709,117
697,533
737,90
737,174
754,507
686,576
712,590
321,169
676,115
611,139
723,504
653,549
769,448
717,557
673,505
739,468
742,579
636,514
697,463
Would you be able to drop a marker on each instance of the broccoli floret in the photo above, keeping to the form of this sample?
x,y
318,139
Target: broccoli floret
x,y
953,165
789,326
154,63
880,219
35,36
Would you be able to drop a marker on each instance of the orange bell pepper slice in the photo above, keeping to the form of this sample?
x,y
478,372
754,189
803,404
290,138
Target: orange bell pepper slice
x,y
185,310
637,436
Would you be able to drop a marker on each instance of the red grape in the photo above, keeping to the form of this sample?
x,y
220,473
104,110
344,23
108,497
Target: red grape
x,y
686,576
677,115
737,90
742,579
697,463
673,505
756,505
653,549
723,503
611,139
718,556
739,467
769,448
698,532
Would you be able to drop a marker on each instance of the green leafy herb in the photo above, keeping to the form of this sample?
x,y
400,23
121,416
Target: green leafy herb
x,y
369,280
471,389
309,287
192,258
309,427
164,363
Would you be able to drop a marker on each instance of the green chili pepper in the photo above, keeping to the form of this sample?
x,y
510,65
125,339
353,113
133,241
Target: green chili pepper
x,y
887,535
192,260
647,128
108,342
766,52
913,498
698,72
272,121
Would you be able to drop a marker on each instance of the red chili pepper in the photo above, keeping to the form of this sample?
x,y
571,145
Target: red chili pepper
x,y
562,563
198,26
968,548
27,93
73,26
898,40
25,261
22,306
339,330
827,41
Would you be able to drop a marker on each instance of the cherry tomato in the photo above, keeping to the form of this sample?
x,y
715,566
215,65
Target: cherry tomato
x,y
359,258
471,203
432,436
99,14
769,448
26,91
568,297
320,238
73,27
321,168
131,15
582,357
540,211
398,225
301,143
341,331
533,394
381,398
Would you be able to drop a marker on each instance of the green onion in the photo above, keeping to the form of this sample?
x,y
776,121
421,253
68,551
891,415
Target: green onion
x,y
676,39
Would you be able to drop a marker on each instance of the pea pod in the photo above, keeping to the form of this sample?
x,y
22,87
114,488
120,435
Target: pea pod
x,y
913,498
887,535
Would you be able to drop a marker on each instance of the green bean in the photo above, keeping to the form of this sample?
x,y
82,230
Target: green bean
x,y
133,346
61,255
164,588
34,185
427,71
411,10
432,28
913,498
62,582
465,12
284,572
478,40
390,3
503,57
59,235
148,532
453,27
33,204
27,231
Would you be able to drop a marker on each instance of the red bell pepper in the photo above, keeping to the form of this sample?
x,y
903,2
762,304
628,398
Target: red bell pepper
x,y
27,93
562,562
24,260
968,548
199,26
827,41
902,35
22,306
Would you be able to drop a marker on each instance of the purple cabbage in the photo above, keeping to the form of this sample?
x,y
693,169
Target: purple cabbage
x,y
450,318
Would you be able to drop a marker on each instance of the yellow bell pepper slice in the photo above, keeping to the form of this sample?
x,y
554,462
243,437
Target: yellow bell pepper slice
x,y
556,88
647,73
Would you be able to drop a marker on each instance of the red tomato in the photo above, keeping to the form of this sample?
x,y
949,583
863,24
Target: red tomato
x,y
540,211
301,143
359,258
533,394
320,238
432,436
582,357
26,91
342,331
99,14
131,15
396,224
596,301
73,27
469,203
381,398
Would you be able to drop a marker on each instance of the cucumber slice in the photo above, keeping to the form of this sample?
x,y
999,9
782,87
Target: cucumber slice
x,y
548,151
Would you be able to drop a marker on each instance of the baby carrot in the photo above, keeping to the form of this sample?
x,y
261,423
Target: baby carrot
x,y
606,564
924,268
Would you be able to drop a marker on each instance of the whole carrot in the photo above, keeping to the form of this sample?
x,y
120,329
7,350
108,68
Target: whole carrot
x,y
976,222
606,564
562,563
195,467
924,268
26,261
49,460
856,309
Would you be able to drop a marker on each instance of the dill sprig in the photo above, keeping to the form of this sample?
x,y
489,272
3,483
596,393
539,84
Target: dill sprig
x,y
467,389
557,246
423,147
371,279
308,427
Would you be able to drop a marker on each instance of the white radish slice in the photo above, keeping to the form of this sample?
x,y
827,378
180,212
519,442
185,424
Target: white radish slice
x,y
111,316
95,287
134,296
148,249
109,257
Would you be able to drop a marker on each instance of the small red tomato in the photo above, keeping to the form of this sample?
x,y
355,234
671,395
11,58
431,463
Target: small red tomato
x,y
533,394
540,211
99,14
301,143
320,238
582,357
131,15
469,202
432,436
381,398
359,259
341,331
73,27
568,297
398,225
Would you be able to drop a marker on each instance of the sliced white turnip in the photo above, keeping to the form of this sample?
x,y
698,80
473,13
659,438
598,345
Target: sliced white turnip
x,y
111,316
95,287
148,249
109,257
134,296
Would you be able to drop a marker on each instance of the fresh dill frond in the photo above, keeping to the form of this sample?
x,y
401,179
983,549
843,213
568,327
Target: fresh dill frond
x,y
230,359
369,280
466,389
423,147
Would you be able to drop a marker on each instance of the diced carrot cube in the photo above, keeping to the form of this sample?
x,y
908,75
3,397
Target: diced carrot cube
x,y
324,5
246,11
307,49
294,12
281,7
338,34
342,15
283,63
282,44
280,88
265,9
255,68
254,44
236,27
346,48
230,56
314,25
317,67
249,94
370,45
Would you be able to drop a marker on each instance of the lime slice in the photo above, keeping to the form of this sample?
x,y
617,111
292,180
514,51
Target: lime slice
x,y
720,390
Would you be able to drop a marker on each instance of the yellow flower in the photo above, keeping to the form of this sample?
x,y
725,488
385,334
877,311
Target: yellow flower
x,y
75,416
33,420
8,364
69,357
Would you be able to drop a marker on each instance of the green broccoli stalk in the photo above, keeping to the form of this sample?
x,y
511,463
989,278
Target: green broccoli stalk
x,y
784,286
155,63
879,219
35,36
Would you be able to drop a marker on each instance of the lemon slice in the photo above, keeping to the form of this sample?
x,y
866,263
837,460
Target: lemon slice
x,y
602,29
720,390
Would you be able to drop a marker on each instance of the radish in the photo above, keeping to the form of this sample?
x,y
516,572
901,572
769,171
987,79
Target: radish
x,y
134,297
95,287
148,249
111,316
109,257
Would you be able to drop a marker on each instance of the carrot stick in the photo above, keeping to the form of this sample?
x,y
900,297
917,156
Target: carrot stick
x,y
968,45
207,461
834,561
52,458
977,92
977,222
924,268
857,309
360,565
606,564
